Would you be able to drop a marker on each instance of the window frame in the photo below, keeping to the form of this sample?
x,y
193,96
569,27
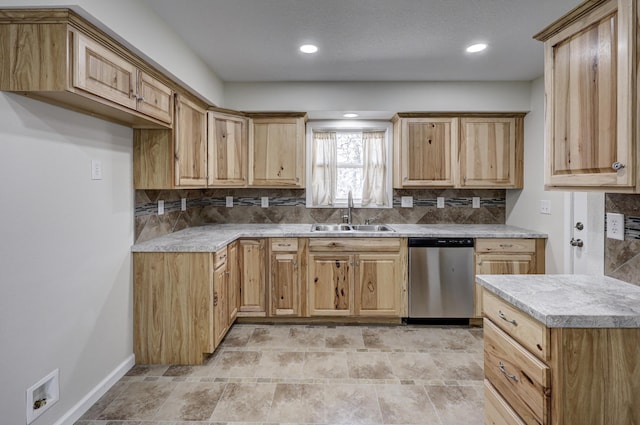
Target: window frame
x,y
344,126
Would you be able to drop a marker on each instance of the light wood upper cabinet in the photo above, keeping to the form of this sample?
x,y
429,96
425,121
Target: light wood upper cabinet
x,y
591,95
190,143
490,153
426,151
227,158
277,151
252,261
154,98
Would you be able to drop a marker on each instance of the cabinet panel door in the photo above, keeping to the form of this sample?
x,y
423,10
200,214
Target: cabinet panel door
x,y
233,282
377,285
227,150
221,312
330,285
505,264
190,144
154,98
252,277
102,72
589,104
426,151
488,152
285,290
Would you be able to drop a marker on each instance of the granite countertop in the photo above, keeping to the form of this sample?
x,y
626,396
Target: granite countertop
x,y
570,301
216,236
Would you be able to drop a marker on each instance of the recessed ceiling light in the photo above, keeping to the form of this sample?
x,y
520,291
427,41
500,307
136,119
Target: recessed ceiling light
x,y
350,115
308,48
474,48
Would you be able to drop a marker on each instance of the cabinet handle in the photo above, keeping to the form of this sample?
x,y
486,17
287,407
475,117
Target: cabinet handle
x,y
227,273
295,264
617,166
507,374
503,317
506,245
215,299
284,244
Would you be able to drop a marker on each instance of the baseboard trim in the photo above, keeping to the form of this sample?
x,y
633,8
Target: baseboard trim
x,y
96,392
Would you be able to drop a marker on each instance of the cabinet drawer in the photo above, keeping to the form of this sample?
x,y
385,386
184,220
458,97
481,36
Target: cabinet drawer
x,y
354,244
496,410
284,244
522,379
529,332
505,245
220,258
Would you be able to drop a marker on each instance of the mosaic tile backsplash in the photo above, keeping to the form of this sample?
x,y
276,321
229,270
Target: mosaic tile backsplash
x,y
288,206
622,258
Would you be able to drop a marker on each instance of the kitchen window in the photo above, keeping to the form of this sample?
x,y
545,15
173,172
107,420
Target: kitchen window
x,y
345,157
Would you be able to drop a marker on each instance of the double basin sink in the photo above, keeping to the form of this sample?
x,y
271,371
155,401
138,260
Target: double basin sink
x,y
350,228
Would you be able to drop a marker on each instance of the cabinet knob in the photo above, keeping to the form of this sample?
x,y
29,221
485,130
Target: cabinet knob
x,y
617,166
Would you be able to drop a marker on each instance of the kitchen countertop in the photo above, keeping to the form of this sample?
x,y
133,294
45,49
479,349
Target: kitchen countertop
x,y
570,301
216,236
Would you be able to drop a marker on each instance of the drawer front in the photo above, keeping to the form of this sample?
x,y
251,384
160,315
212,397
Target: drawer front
x,y
522,327
354,244
505,245
220,258
284,244
496,410
522,379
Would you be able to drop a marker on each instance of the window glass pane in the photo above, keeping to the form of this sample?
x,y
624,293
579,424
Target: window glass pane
x,y
349,147
349,179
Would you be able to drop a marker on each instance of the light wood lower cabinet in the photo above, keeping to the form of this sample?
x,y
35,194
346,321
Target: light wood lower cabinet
x,y
253,277
221,321
233,274
586,376
285,289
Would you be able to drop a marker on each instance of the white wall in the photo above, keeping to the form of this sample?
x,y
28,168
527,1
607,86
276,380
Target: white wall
x,y
523,206
65,262
138,27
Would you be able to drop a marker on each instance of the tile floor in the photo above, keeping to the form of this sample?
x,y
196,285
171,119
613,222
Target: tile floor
x,y
298,374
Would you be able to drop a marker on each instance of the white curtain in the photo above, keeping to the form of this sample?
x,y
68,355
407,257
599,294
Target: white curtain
x,y
323,171
374,172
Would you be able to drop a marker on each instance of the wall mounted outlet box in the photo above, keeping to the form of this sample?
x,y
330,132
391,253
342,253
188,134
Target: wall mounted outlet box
x,y
96,169
406,202
615,226
42,395
229,200
160,207
475,202
440,201
265,202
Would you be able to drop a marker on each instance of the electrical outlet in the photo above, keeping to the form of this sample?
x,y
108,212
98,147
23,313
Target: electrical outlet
x,y
160,207
545,206
406,202
475,202
615,226
229,201
96,169
265,202
183,204
440,201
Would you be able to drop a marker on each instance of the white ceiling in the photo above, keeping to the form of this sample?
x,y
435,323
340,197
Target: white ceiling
x,y
364,40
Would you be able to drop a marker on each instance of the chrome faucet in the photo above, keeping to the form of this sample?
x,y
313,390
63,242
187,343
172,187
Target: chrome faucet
x,y
349,206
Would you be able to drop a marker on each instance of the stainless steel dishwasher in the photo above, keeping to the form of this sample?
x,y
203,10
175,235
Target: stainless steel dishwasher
x,y
440,278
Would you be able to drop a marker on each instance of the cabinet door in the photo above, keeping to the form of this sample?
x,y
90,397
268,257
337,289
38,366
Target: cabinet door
x,y
330,285
221,312
427,155
227,150
505,264
285,286
102,72
154,98
589,100
233,282
252,277
377,285
276,152
490,154
190,144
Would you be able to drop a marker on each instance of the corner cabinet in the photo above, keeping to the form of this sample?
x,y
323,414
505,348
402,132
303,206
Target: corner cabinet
x,y
277,150
470,150
591,128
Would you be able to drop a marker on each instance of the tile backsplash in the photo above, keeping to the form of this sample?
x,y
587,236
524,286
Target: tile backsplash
x,y
622,258
288,206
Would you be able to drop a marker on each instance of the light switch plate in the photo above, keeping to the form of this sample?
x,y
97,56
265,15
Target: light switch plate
x,y
475,202
160,207
183,204
96,169
615,226
545,206
229,201
265,202
440,201
406,202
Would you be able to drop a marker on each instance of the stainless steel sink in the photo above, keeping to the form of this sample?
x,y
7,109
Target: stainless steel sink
x,y
341,228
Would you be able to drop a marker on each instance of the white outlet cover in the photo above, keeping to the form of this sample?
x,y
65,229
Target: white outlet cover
x,y
615,226
475,201
160,207
183,204
440,201
229,200
265,202
96,169
406,202
545,206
